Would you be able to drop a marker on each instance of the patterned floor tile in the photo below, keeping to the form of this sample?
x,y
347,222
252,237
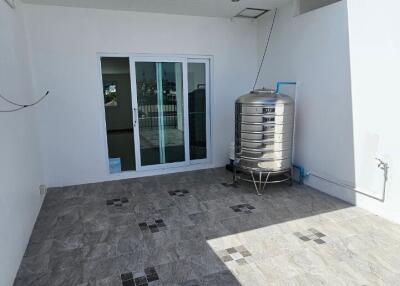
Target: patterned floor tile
x,y
197,228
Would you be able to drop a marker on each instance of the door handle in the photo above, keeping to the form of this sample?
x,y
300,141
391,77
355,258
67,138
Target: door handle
x,y
135,117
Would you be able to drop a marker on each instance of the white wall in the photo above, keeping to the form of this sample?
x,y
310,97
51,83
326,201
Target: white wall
x,y
375,69
324,111
64,44
279,59
345,61
20,165
312,49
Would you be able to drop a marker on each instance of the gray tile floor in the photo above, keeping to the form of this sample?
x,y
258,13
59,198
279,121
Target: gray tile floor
x,y
196,228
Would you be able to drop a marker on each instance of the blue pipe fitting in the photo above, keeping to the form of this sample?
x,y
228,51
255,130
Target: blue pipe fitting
x,y
279,83
302,173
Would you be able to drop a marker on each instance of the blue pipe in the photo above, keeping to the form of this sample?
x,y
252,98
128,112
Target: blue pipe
x,y
279,83
302,173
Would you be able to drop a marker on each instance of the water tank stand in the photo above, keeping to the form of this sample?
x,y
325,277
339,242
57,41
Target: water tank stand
x,y
260,178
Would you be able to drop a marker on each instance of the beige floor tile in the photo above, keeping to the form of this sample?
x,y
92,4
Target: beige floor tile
x,y
278,268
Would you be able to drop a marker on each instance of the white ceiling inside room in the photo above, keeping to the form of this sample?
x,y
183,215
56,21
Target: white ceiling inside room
x,y
210,8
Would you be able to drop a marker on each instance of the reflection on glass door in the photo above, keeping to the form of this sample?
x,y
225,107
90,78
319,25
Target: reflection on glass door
x,y
197,79
118,111
159,88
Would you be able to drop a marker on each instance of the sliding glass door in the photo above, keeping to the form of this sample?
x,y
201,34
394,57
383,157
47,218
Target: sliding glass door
x,y
160,112
117,95
167,114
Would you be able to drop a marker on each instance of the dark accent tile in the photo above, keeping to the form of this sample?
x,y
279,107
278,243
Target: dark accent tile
x,y
153,228
231,250
227,258
124,200
149,270
160,223
172,193
298,234
248,212
320,234
143,226
241,261
319,241
152,277
251,207
245,253
126,276
128,283
139,281
110,202
185,191
116,200
305,238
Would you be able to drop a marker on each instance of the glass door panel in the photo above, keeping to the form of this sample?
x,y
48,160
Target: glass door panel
x,y
118,111
197,78
159,88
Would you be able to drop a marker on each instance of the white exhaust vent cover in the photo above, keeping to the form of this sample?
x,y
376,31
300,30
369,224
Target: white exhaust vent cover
x,y
252,13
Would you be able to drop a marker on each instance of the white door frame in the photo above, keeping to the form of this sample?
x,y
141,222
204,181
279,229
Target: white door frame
x,y
157,59
184,59
205,61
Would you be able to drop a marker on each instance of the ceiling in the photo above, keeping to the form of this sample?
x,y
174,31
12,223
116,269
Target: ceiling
x,y
210,8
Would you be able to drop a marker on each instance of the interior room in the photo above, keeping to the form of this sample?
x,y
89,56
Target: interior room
x,y
199,142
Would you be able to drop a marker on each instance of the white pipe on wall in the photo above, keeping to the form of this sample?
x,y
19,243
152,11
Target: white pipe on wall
x,y
382,165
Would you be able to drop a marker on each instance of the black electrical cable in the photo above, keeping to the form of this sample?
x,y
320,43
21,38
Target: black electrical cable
x,y
266,49
12,110
21,106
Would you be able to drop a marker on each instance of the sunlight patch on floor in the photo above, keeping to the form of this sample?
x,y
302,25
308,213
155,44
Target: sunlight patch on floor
x,y
312,250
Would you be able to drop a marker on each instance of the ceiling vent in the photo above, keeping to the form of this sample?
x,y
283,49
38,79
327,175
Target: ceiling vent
x,y
251,13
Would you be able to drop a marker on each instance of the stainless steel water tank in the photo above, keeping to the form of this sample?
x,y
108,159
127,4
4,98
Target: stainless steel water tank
x,y
264,131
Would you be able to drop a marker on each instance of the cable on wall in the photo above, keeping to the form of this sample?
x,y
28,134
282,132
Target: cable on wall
x,y
21,106
11,3
266,49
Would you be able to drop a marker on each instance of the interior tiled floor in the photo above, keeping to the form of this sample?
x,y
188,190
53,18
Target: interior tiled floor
x,y
196,228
